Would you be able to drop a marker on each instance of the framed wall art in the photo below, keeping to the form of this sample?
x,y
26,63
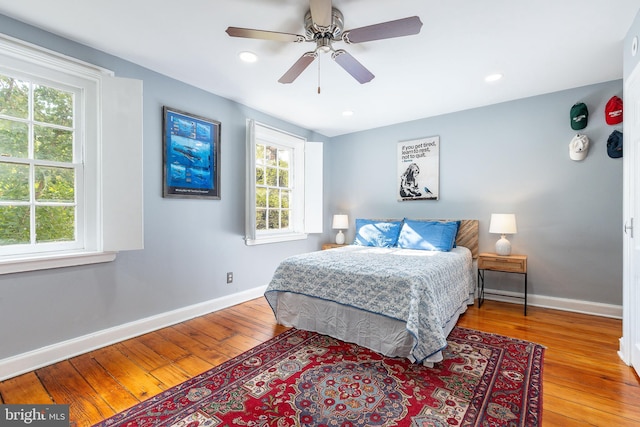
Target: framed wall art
x,y
419,169
191,155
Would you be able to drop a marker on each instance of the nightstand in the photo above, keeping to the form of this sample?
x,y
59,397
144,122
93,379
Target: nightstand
x,y
506,264
326,246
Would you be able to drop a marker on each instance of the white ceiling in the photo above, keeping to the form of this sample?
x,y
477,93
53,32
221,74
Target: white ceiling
x,y
540,46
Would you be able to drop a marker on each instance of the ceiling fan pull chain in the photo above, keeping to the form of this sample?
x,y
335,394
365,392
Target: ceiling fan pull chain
x,y
319,56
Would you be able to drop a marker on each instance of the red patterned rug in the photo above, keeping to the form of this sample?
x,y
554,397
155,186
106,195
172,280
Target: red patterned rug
x,y
304,379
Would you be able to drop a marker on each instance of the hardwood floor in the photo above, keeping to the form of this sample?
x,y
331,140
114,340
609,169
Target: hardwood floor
x,y
584,381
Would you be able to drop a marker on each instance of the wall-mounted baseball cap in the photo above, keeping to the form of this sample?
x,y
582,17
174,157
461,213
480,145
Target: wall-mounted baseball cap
x,y
579,116
614,144
613,111
579,147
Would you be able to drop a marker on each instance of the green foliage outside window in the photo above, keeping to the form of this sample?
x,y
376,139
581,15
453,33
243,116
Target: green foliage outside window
x,y
273,194
37,175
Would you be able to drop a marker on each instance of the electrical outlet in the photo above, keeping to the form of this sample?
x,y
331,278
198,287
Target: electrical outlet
x,y
230,277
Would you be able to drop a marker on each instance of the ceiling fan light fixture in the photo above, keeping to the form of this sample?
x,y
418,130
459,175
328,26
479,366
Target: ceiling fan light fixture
x,y
323,44
247,56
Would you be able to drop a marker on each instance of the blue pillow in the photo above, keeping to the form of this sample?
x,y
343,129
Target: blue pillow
x,y
428,235
383,234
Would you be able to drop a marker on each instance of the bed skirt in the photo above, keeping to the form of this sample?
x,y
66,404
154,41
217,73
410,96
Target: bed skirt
x,y
374,331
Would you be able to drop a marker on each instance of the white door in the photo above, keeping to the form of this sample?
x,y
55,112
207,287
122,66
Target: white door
x,y
630,349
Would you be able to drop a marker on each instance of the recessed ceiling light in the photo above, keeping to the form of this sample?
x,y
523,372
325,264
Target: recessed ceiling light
x,y
347,113
248,56
493,77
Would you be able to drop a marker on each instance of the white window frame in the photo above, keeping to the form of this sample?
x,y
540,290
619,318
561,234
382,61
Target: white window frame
x,y
112,115
306,196
84,95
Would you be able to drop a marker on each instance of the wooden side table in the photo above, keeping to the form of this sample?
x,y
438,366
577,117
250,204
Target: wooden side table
x,y
505,264
326,246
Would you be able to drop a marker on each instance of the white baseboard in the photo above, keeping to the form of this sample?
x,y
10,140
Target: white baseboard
x,y
564,304
624,353
29,361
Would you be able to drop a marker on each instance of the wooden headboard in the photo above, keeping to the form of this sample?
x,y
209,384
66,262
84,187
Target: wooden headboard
x,y
468,236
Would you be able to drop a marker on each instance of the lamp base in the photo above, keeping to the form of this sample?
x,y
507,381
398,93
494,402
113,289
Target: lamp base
x,y
340,238
503,246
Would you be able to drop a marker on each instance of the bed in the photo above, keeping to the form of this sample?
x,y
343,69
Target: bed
x,y
398,299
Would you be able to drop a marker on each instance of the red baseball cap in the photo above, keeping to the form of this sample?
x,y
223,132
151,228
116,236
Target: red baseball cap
x,y
613,111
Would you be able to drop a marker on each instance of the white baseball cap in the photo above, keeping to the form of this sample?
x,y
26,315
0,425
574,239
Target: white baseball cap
x,y
578,147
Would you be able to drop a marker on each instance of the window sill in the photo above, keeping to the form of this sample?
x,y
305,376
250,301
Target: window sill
x,y
44,262
275,238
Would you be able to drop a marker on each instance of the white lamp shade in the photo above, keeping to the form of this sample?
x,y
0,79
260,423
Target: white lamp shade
x,y
340,222
503,224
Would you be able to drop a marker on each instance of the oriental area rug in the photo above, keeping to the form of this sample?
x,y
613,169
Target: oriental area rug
x,y
302,378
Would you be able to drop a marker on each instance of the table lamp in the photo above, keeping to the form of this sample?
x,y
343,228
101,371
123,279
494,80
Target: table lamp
x,y
340,222
503,224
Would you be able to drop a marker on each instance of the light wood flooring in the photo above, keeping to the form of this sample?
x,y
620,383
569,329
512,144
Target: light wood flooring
x,y
584,381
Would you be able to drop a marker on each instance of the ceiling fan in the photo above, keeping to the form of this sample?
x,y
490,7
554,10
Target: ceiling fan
x,y
323,25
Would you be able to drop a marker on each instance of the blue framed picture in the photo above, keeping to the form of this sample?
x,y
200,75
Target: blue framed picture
x,y
191,155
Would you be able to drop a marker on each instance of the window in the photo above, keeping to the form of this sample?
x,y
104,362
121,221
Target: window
x,y
40,165
62,123
284,185
274,186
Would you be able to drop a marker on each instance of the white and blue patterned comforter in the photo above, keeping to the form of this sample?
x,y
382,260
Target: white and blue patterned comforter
x,y
422,288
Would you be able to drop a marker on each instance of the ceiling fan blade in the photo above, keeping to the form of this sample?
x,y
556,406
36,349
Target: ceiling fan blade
x,y
321,12
384,30
296,69
264,35
352,66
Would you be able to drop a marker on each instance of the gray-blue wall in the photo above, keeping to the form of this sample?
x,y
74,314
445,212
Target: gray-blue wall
x,y
507,157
